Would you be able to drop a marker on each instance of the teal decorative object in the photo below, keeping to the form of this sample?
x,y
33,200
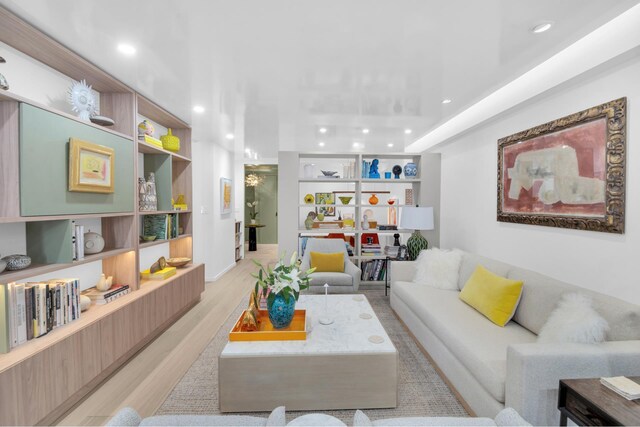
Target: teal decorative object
x,y
415,244
281,312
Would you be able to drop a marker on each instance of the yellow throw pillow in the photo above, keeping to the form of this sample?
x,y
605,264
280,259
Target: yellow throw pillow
x,y
493,296
323,262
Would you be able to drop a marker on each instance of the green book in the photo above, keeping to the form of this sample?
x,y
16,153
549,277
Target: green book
x,y
4,319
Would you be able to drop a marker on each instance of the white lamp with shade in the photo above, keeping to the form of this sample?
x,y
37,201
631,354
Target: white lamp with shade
x,y
417,219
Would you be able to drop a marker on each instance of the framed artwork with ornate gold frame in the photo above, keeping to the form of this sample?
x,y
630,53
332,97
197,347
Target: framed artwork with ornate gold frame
x,y
91,167
568,173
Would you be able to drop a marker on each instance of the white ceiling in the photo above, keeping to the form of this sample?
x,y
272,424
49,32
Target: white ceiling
x,y
274,71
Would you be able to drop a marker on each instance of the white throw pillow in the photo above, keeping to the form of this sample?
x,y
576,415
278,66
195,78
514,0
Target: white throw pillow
x,y
574,320
438,268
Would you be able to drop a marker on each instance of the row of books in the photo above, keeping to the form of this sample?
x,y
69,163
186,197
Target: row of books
x,y
31,310
373,270
163,226
111,294
396,252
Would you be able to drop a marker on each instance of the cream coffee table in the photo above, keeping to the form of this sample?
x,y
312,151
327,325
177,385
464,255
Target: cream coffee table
x,y
350,364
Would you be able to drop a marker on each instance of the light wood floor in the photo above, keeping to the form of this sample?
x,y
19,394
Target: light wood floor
x,y
148,378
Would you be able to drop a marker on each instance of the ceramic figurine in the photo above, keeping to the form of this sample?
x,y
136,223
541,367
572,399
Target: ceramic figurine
x,y
102,283
145,128
373,169
365,222
308,223
397,170
3,82
410,170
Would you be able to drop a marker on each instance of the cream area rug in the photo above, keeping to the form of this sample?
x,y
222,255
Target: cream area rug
x,y
421,391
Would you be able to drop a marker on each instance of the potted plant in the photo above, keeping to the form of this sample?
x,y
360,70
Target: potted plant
x,y
253,213
282,285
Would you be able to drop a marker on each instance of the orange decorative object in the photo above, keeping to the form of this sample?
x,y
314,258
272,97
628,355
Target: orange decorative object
x,y
373,200
296,331
391,201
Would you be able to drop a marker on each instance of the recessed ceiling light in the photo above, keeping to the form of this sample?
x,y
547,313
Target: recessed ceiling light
x,y
446,101
247,150
198,109
126,49
542,27
229,136
407,131
365,131
321,144
389,145
356,144
322,130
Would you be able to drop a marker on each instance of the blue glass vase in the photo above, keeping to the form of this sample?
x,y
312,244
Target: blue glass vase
x,y
281,312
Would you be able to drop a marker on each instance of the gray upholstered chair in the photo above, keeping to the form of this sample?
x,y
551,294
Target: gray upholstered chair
x,y
346,282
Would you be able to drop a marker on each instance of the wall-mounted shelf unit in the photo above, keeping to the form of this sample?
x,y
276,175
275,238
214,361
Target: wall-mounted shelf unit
x,y
82,353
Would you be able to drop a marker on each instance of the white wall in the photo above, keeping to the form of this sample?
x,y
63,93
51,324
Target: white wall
x,y
600,261
214,234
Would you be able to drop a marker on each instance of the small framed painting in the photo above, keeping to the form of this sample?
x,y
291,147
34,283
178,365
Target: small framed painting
x,y
568,173
91,167
326,199
226,190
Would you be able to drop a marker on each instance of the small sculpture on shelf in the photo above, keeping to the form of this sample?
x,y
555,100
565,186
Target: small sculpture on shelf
x,y
397,170
147,198
308,223
179,204
373,200
17,262
145,128
373,169
4,85
85,303
104,283
82,100
365,222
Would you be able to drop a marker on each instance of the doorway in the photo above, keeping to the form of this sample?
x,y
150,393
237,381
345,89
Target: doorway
x,y
261,186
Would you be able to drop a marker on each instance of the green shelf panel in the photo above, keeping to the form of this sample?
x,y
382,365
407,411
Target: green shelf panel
x,y
49,242
160,165
44,166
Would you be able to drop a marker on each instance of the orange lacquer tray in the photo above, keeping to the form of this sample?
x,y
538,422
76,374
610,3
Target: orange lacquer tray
x,y
296,331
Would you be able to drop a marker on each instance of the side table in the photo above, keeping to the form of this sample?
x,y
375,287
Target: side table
x,y
589,403
253,236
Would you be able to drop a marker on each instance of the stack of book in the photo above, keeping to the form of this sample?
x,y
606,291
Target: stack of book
x,y
624,386
374,270
371,249
31,310
104,297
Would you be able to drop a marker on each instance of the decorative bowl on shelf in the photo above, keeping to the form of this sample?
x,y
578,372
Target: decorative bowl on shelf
x,y
345,199
17,262
329,173
391,201
178,262
148,238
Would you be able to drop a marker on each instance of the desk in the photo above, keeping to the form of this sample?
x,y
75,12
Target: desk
x,y
587,402
253,237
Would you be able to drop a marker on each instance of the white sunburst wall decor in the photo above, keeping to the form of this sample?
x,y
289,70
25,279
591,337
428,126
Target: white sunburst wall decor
x,y
82,100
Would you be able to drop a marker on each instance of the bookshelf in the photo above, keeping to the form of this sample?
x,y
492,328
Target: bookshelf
x,y
82,353
307,177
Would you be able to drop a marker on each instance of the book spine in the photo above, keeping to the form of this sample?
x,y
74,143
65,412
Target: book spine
x,y
49,308
21,314
36,313
12,316
5,334
74,247
43,310
28,295
76,300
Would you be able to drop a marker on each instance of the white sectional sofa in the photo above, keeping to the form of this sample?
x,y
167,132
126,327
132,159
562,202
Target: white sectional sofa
x,y
493,367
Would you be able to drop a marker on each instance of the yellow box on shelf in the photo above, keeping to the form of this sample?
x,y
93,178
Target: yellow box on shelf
x,y
165,273
151,141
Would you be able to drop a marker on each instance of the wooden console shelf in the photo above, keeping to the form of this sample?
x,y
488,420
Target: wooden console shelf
x,y
71,359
